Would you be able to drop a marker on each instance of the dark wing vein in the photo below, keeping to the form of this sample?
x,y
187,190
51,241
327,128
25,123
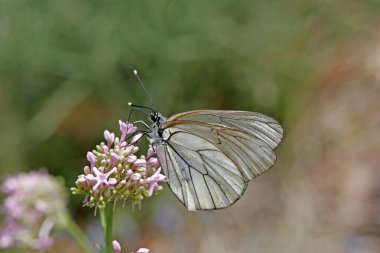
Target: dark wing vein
x,y
178,179
207,170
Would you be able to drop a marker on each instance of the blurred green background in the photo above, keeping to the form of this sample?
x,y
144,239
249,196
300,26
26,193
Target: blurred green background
x,y
66,75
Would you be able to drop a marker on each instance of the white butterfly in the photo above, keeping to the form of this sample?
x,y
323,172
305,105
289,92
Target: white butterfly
x,y
210,156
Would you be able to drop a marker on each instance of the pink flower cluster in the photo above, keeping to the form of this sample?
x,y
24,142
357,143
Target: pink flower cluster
x,y
34,204
116,174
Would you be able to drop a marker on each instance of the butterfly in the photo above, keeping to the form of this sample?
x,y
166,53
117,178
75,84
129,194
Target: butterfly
x,y
209,156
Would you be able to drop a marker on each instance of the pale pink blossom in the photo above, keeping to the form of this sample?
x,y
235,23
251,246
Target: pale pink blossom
x,y
116,173
153,181
102,178
126,128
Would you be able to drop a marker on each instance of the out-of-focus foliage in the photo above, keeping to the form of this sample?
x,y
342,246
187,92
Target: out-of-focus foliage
x,y
66,74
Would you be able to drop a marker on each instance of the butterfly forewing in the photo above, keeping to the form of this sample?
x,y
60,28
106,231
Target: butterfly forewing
x,y
253,123
209,156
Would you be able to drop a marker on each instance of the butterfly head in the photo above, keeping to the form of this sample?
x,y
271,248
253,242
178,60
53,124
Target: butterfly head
x,y
155,117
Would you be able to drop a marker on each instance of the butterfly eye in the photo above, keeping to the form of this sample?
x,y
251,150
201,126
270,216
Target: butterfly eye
x,y
152,116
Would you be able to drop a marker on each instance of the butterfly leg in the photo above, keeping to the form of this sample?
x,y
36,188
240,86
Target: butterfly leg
x,y
141,122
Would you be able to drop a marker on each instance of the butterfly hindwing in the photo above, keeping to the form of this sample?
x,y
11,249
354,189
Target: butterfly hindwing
x,y
199,174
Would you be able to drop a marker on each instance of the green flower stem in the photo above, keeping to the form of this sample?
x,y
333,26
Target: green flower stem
x,y
106,220
109,234
103,221
77,233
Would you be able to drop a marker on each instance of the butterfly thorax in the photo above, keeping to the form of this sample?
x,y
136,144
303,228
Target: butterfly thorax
x,y
155,135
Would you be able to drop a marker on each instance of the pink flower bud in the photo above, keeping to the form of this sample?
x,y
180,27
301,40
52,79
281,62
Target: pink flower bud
x,y
81,179
136,138
105,149
136,176
91,158
129,173
109,137
128,150
143,250
114,158
139,163
131,158
153,163
116,246
150,152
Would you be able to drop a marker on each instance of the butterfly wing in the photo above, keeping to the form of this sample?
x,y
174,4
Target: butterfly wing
x,y
209,156
256,124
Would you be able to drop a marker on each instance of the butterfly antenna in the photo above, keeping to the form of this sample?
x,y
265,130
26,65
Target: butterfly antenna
x,y
138,108
146,92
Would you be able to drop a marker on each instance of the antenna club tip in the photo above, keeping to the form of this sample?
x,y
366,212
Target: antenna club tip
x,y
130,103
135,71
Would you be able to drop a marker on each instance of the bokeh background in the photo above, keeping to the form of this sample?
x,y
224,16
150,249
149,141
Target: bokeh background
x,y
66,75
